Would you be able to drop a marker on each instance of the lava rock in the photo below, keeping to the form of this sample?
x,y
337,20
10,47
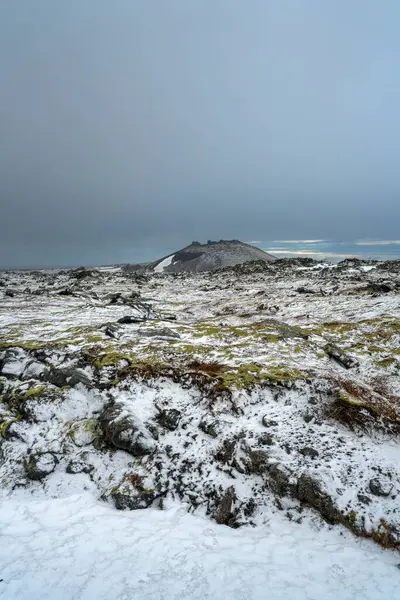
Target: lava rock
x,y
267,422
126,431
309,490
160,333
128,496
210,426
169,418
78,465
84,432
311,452
341,357
380,487
112,331
128,319
38,466
223,513
279,480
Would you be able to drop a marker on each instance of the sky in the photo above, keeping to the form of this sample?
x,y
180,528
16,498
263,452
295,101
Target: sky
x,y
139,124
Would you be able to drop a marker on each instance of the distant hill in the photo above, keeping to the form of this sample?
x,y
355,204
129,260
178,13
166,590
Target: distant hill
x,y
204,257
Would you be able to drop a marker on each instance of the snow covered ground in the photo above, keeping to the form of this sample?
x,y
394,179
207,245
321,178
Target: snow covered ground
x,y
265,397
78,549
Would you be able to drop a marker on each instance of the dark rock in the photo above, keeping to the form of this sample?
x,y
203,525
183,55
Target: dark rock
x,y
266,439
211,427
162,333
279,480
169,418
127,319
311,452
303,290
267,422
76,376
257,461
341,357
226,451
126,431
380,487
129,496
66,376
112,331
9,293
309,491
77,465
364,499
223,513
38,466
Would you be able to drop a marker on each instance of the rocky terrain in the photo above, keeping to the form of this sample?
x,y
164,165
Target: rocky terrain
x,y
197,257
268,385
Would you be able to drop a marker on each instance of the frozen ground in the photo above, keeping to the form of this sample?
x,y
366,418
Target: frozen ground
x,y
264,397
79,549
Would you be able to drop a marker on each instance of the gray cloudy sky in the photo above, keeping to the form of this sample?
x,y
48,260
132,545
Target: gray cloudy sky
x,y
138,123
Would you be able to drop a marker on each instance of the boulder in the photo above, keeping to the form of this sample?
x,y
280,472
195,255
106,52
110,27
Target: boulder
x,y
310,452
380,487
38,466
13,362
131,495
124,430
78,465
341,357
162,333
84,432
309,491
223,513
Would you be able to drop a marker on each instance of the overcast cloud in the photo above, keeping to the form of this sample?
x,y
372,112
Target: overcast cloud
x,y
139,123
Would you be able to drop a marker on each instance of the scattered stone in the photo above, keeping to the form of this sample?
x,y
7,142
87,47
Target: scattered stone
x,y
169,418
78,465
303,290
112,331
257,461
311,452
161,333
364,499
266,439
126,431
128,319
380,487
38,466
267,422
210,426
341,357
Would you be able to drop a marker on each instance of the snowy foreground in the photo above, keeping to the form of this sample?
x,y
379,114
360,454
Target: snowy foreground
x,y
263,397
76,548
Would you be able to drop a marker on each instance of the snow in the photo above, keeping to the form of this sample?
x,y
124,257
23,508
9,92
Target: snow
x,y
164,263
79,549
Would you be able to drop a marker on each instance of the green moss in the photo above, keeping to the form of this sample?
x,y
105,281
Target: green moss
x,y
270,337
109,359
4,425
34,391
352,520
283,374
386,362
